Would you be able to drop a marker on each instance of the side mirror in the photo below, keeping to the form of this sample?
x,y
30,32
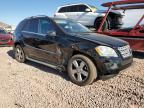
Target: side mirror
x,y
88,10
51,33
10,33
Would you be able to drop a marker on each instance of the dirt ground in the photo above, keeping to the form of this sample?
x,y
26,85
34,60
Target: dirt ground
x,y
32,85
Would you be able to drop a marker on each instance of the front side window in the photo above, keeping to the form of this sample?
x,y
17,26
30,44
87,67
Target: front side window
x,y
82,8
32,26
94,9
46,25
71,26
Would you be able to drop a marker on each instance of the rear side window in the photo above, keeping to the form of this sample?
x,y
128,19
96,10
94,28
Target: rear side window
x,y
63,9
73,8
31,26
69,9
46,25
20,27
82,8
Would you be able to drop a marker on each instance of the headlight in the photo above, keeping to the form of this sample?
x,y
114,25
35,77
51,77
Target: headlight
x,y
105,51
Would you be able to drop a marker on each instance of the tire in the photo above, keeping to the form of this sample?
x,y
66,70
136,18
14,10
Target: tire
x,y
98,23
19,54
81,70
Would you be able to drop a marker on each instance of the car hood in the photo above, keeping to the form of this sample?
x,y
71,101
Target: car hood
x,y
104,11
4,36
102,39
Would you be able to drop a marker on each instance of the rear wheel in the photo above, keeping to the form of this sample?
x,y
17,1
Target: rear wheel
x,y
19,54
98,23
81,70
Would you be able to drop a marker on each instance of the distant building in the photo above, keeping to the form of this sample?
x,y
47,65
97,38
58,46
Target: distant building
x,y
7,27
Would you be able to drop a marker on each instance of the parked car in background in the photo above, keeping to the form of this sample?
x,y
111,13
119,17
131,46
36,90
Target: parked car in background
x,y
69,46
132,34
89,16
6,39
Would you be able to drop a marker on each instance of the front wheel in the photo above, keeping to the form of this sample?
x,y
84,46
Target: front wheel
x,y
98,23
81,70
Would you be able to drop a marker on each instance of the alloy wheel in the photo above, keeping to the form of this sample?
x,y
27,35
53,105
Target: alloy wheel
x,y
19,54
80,70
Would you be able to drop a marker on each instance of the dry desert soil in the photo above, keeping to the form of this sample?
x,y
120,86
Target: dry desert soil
x,y
31,85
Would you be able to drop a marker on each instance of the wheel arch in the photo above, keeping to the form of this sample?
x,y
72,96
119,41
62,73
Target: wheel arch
x,y
101,17
18,43
75,52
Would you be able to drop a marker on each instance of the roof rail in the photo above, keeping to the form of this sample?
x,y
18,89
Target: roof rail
x,y
39,16
69,4
36,16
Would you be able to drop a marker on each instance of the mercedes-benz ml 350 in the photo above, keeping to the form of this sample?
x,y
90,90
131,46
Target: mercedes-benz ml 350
x,y
68,46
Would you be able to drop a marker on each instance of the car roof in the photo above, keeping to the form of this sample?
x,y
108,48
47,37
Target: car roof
x,y
73,4
45,16
38,16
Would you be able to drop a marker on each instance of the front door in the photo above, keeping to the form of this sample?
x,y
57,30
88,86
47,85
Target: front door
x,y
47,47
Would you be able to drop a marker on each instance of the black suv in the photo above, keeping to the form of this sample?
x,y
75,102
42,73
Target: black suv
x,y
69,46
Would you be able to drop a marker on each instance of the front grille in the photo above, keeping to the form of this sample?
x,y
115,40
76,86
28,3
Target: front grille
x,y
4,40
125,51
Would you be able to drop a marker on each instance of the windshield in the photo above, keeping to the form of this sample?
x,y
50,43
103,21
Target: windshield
x,y
71,26
94,9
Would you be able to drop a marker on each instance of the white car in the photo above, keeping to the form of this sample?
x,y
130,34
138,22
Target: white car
x,y
89,15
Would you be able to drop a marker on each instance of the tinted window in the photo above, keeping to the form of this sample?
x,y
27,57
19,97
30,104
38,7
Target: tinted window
x,y
2,32
73,8
82,8
64,9
46,25
69,9
20,27
32,26
70,26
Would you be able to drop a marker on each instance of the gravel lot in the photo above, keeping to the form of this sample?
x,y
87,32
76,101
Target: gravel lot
x,y
32,85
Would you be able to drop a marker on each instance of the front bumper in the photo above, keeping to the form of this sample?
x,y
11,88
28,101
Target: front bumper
x,y
110,67
9,43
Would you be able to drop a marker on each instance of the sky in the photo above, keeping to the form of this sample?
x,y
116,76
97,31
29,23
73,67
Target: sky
x,y
13,11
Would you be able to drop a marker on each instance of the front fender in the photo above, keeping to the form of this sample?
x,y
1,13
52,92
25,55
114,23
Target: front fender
x,y
85,48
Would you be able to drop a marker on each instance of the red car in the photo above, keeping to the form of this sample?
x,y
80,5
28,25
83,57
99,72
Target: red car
x,y
6,39
134,35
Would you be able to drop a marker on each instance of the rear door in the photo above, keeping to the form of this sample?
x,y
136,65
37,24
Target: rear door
x,y
71,12
29,34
